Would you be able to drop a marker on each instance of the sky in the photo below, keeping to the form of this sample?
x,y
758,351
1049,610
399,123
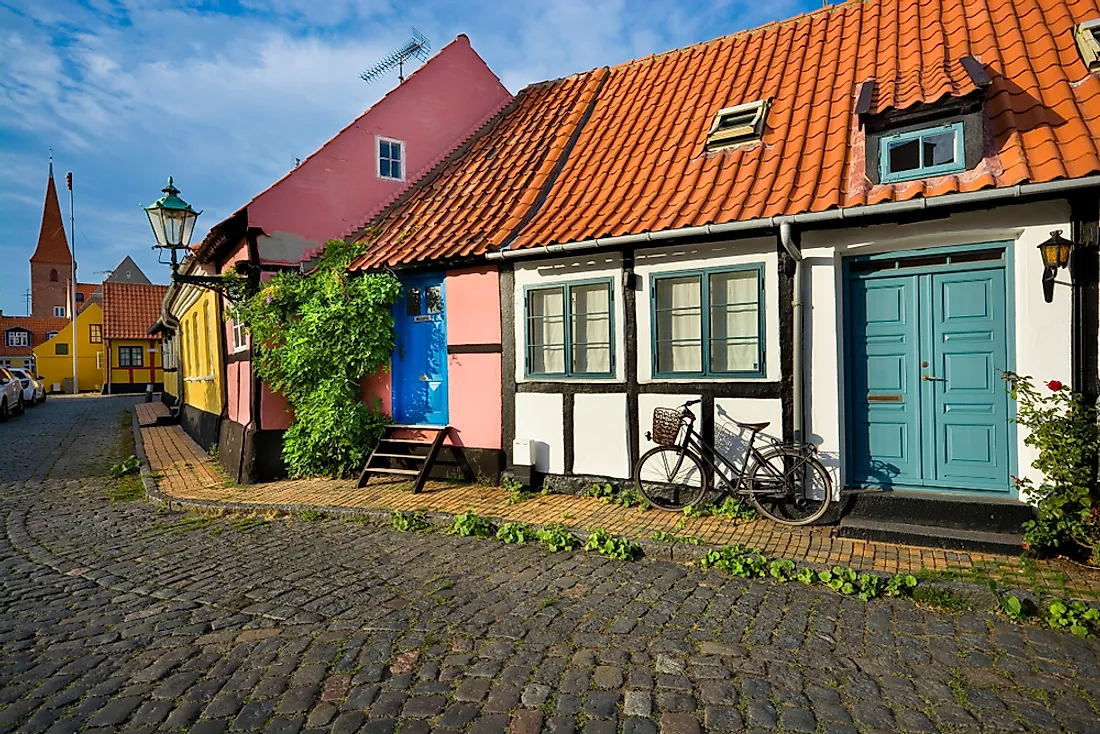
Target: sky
x,y
224,96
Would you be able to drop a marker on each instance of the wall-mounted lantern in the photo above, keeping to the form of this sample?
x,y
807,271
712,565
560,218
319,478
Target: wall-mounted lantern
x,y
1055,253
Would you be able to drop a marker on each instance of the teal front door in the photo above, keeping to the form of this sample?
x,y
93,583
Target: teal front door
x,y
927,344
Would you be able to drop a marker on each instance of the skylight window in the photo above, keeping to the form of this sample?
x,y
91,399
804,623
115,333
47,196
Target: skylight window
x,y
741,124
1088,43
391,159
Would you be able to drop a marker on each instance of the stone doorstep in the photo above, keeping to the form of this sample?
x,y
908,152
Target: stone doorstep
x,y
883,558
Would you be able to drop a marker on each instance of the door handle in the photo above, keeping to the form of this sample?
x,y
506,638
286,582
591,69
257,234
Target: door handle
x,y
932,378
424,378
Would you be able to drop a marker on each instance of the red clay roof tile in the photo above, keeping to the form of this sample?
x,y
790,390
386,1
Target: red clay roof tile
x,y
38,326
129,309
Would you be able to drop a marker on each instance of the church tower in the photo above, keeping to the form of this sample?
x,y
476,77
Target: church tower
x,y
52,262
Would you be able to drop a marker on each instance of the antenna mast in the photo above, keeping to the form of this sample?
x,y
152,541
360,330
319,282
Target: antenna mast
x,y
418,47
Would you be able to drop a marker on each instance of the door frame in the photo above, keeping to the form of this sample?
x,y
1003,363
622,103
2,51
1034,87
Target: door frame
x,y
397,369
1008,264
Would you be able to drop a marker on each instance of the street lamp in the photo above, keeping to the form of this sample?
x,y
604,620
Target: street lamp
x,y
1055,254
173,222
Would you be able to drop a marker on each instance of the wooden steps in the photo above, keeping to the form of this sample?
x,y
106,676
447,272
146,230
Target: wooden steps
x,y
400,455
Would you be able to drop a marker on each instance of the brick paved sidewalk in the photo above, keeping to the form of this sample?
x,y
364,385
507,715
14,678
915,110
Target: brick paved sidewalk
x,y
183,471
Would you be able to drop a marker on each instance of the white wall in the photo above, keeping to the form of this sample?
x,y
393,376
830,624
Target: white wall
x,y
601,435
539,418
554,272
1042,330
671,259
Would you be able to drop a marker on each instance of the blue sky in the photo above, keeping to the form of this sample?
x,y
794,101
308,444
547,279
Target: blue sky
x,y
225,95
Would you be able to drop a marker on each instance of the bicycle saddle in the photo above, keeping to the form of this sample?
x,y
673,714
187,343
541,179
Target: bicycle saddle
x,y
755,427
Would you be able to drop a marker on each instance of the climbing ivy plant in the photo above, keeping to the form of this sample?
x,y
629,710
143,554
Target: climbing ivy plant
x,y
315,337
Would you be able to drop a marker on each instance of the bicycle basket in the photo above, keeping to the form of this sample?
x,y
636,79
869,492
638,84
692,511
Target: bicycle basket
x,y
666,425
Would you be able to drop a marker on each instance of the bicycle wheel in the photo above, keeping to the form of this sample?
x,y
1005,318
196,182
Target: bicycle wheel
x,y
790,486
670,478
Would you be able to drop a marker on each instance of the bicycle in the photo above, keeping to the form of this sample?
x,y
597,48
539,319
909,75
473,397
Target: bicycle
x,y
784,481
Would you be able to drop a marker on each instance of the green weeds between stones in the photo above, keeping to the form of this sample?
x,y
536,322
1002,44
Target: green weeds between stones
x,y
130,465
557,537
604,543
412,522
471,525
664,537
628,498
515,490
516,532
732,509
311,515
1077,617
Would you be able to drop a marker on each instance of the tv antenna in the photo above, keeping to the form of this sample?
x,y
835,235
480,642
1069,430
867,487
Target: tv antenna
x,y
418,47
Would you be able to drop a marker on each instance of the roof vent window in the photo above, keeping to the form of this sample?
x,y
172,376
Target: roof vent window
x,y
741,124
1088,43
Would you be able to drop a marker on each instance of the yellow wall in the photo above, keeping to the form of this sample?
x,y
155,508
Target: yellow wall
x,y
200,354
55,368
150,371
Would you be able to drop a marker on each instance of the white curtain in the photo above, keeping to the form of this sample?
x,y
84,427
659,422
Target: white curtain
x,y
590,322
679,324
734,322
546,331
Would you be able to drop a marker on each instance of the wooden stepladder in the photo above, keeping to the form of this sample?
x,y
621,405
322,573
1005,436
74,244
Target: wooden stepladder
x,y
413,457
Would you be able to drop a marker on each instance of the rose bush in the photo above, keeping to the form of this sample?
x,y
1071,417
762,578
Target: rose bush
x,y
1062,427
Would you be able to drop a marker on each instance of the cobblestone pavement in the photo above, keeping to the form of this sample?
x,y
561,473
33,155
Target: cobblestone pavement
x,y
117,617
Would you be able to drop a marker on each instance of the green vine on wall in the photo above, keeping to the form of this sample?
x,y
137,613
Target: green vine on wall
x,y
315,337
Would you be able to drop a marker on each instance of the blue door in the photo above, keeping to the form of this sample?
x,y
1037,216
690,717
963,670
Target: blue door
x,y
927,347
420,359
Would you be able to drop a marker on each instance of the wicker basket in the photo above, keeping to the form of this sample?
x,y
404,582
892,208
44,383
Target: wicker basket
x,y
666,425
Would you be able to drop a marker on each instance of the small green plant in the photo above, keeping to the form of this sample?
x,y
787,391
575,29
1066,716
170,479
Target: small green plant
x,y
783,570
630,498
899,584
515,490
471,525
737,560
736,509
1078,617
694,511
839,579
870,586
604,543
941,598
414,522
1017,609
310,515
516,532
662,536
547,490
599,491
130,465
556,537
806,576
212,452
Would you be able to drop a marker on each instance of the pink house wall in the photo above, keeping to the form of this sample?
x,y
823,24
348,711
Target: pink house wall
x,y
474,380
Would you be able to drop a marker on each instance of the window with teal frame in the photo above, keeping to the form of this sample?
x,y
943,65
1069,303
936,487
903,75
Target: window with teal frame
x,y
569,330
708,323
933,151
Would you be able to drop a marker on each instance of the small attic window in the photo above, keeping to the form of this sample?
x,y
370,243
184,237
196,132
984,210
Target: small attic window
x,y
1088,43
741,124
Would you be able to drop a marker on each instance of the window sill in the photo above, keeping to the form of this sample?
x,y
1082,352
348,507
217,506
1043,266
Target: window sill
x,y
205,378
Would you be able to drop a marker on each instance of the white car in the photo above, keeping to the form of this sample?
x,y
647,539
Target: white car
x,y
11,394
34,391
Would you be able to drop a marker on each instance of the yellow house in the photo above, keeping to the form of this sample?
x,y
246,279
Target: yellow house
x,y
198,355
134,356
54,358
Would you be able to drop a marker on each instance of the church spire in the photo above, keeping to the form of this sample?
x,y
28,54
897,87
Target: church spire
x,y
53,247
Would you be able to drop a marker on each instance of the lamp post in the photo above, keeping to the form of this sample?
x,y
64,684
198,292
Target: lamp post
x,y
173,222
1055,254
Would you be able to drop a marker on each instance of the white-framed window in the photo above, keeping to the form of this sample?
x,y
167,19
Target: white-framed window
x,y
99,360
59,312
16,338
569,330
932,151
240,335
391,159
708,323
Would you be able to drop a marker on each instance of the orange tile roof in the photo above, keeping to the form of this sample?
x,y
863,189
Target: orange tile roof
x,y
480,196
38,326
129,309
639,164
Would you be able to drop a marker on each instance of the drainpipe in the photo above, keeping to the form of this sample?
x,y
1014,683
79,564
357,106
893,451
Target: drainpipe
x,y
786,239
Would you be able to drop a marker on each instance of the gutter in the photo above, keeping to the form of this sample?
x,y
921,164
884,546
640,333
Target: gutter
x,y
787,240
808,218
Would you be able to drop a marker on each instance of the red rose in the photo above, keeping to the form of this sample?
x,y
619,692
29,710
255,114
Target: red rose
x,y
1055,385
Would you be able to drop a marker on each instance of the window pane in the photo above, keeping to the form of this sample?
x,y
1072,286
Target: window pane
x,y
904,156
395,169
434,295
383,150
734,322
679,324
939,148
412,302
546,331
590,321
384,169
395,151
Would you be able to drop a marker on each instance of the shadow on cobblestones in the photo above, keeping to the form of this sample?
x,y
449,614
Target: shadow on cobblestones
x,y
122,617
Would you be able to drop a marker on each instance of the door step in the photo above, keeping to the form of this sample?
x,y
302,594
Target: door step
x,y
931,536
399,456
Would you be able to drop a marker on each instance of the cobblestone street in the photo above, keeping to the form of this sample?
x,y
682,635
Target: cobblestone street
x,y
122,617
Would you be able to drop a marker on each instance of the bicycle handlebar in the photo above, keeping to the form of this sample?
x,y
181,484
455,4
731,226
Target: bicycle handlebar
x,y
690,403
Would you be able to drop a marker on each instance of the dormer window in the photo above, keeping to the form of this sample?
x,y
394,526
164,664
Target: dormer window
x,y
734,125
1088,43
933,151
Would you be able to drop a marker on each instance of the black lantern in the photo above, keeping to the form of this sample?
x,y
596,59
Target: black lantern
x,y
1055,253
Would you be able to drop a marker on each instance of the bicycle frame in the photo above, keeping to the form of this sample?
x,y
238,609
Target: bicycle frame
x,y
712,459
